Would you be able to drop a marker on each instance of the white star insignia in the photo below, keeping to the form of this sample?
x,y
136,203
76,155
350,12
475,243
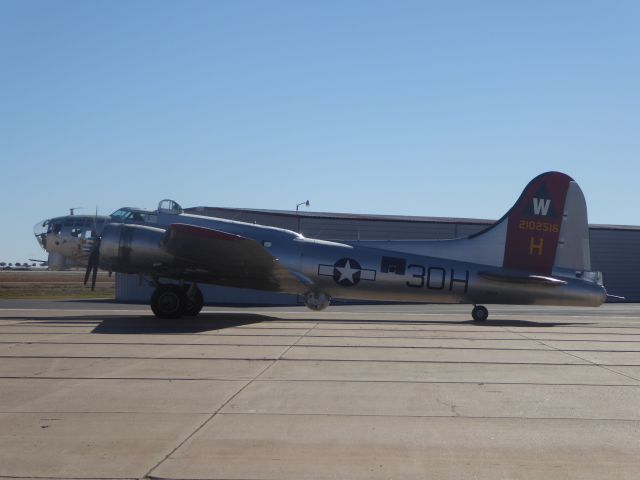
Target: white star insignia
x,y
346,272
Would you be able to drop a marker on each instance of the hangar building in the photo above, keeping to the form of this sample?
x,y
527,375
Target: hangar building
x,y
615,249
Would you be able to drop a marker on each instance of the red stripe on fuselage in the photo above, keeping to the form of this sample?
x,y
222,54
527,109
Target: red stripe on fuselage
x,y
204,232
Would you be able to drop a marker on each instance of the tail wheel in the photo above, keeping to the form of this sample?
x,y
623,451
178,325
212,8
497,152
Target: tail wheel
x,y
169,301
195,301
480,313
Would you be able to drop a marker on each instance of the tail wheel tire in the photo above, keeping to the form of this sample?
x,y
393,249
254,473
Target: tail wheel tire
x,y
195,302
169,301
480,313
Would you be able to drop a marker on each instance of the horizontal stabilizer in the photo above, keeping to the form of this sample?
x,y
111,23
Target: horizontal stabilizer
x,y
519,278
616,297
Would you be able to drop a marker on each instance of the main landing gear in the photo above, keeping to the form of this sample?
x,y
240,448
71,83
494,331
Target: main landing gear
x,y
479,313
175,301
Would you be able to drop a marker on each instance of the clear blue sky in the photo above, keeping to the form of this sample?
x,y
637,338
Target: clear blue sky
x,y
391,107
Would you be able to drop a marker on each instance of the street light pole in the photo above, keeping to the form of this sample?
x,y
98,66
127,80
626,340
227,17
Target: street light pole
x,y
306,204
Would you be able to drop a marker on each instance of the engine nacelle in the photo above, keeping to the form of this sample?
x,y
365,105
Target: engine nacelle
x,y
133,249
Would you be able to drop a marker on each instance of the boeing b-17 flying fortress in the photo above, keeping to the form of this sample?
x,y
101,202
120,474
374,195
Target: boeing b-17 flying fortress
x,y
536,254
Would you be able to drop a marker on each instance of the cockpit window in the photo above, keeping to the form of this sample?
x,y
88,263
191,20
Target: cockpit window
x,y
121,214
169,206
132,215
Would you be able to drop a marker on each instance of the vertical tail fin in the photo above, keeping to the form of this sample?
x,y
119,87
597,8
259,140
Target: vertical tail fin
x,y
545,229
547,226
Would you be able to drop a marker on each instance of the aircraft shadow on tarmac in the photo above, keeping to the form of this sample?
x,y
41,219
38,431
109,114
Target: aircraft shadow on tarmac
x,y
521,323
485,323
202,323
218,321
148,324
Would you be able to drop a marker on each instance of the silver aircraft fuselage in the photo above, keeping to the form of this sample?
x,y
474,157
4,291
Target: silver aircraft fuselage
x,y
536,254
354,271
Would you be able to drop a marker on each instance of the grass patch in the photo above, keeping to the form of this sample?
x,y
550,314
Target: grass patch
x,y
53,285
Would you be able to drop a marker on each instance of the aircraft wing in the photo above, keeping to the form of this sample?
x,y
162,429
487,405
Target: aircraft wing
x,y
231,260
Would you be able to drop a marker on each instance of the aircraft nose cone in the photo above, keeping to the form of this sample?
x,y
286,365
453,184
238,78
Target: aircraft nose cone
x,y
40,230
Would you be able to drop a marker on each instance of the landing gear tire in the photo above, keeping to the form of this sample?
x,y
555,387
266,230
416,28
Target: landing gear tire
x,y
480,313
169,301
195,302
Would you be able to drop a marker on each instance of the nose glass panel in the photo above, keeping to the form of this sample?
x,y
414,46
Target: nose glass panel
x,y
40,230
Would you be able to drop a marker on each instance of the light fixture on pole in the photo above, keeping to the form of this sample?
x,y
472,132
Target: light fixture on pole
x,y
306,204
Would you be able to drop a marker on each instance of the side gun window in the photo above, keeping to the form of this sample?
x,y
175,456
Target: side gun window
x,y
393,265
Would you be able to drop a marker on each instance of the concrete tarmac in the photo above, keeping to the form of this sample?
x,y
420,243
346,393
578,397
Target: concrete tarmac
x,y
105,390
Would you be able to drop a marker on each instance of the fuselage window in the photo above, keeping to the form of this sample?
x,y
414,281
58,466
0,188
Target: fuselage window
x,y
393,265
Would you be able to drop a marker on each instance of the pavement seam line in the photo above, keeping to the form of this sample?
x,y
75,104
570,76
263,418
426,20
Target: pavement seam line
x,y
202,425
281,356
326,380
229,400
590,362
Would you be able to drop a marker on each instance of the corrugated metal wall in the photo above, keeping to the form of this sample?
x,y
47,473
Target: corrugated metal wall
x,y
616,253
614,250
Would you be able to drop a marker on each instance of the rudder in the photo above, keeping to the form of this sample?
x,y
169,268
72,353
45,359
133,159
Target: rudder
x,y
547,226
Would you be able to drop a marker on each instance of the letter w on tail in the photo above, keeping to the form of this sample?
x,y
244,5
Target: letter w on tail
x,y
541,206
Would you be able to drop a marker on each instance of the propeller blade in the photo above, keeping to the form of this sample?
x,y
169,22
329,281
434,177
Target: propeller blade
x,y
87,271
93,279
93,264
96,262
